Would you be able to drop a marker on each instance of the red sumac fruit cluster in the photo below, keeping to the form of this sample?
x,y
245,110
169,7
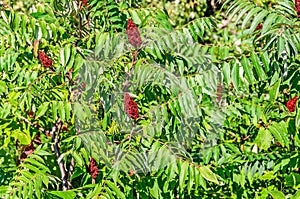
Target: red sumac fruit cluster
x,y
46,61
259,27
85,3
291,104
130,106
297,7
93,169
133,34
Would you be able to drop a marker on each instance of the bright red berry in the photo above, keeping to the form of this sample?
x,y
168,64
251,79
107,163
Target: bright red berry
x,y
291,104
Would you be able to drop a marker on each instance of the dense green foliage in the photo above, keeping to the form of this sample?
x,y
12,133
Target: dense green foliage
x,y
213,87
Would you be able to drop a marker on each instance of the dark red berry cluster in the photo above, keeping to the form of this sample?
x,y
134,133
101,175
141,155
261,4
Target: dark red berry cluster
x,y
130,107
291,104
133,34
93,169
259,27
297,7
46,61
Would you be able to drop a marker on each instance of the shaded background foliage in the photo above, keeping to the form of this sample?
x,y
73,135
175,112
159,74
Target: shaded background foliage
x,y
216,91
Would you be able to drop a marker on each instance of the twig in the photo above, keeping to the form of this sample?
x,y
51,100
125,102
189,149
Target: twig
x,y
80,26
126,83
55,147
131,132
70,172
54,132
34,125
71,93
213,5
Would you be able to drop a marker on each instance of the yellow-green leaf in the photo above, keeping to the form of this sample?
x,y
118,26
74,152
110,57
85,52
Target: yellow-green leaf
x,y
208,174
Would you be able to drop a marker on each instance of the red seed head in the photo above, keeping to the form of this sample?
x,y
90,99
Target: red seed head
x,y
130,24
133,34
46,61
85,3
297,7
130,107
93,169
291,104
259,27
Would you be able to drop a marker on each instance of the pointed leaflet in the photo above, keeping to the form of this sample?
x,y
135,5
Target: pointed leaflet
x,y
42,109
274,91
116,190
249,15
279,131
263,139
296,195
65,55
257,19
258,67
277,195
64,194
183,175
208,174
248,70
